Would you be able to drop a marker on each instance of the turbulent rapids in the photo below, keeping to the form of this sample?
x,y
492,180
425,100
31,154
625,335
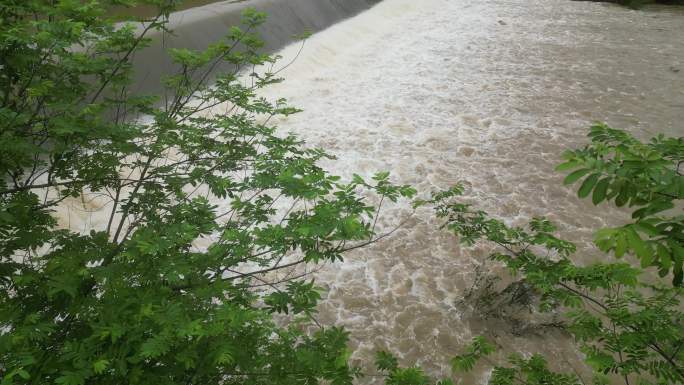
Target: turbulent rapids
x,y
488,93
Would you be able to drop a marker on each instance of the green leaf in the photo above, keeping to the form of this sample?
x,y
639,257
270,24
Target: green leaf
x,y
356,178
381,176
622,197
647,228
588,185
100,366
343,358
576,175
408,376
620,244
385,361
599,360
71,378
664,257
478,348
154,347
600,191
569,165
642,250
23,374
226,357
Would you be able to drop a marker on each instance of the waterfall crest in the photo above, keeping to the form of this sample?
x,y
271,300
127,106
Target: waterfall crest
x,y
198,27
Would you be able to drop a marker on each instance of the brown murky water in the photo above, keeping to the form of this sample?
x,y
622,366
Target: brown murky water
x,y
488,93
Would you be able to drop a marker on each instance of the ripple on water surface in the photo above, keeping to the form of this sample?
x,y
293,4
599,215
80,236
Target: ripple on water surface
x,y
486,92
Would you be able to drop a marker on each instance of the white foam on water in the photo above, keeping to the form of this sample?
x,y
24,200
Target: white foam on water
x,y
485,92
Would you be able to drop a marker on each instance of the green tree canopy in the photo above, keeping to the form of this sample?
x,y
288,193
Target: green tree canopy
x,y
626,318
208,211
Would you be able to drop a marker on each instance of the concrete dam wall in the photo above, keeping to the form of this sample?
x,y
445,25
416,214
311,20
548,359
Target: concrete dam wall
x,y
198,27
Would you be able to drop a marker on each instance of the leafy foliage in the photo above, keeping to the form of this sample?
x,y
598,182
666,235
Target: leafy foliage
x,y
474,352
530,371
625,324
208,213
647,176
394,374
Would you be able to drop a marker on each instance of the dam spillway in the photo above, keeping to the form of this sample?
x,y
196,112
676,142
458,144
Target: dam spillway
x,y
196,28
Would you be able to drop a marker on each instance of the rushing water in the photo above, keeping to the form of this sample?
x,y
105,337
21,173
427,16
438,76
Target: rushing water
x,y
488,93
208,21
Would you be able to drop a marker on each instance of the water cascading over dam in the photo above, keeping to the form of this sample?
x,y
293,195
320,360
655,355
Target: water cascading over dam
x,y
488,93
197,28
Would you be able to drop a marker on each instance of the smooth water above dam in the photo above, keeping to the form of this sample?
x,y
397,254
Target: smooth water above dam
x,y
488,93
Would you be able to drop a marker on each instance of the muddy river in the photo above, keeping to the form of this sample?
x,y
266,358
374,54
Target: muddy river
x,y
488,93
